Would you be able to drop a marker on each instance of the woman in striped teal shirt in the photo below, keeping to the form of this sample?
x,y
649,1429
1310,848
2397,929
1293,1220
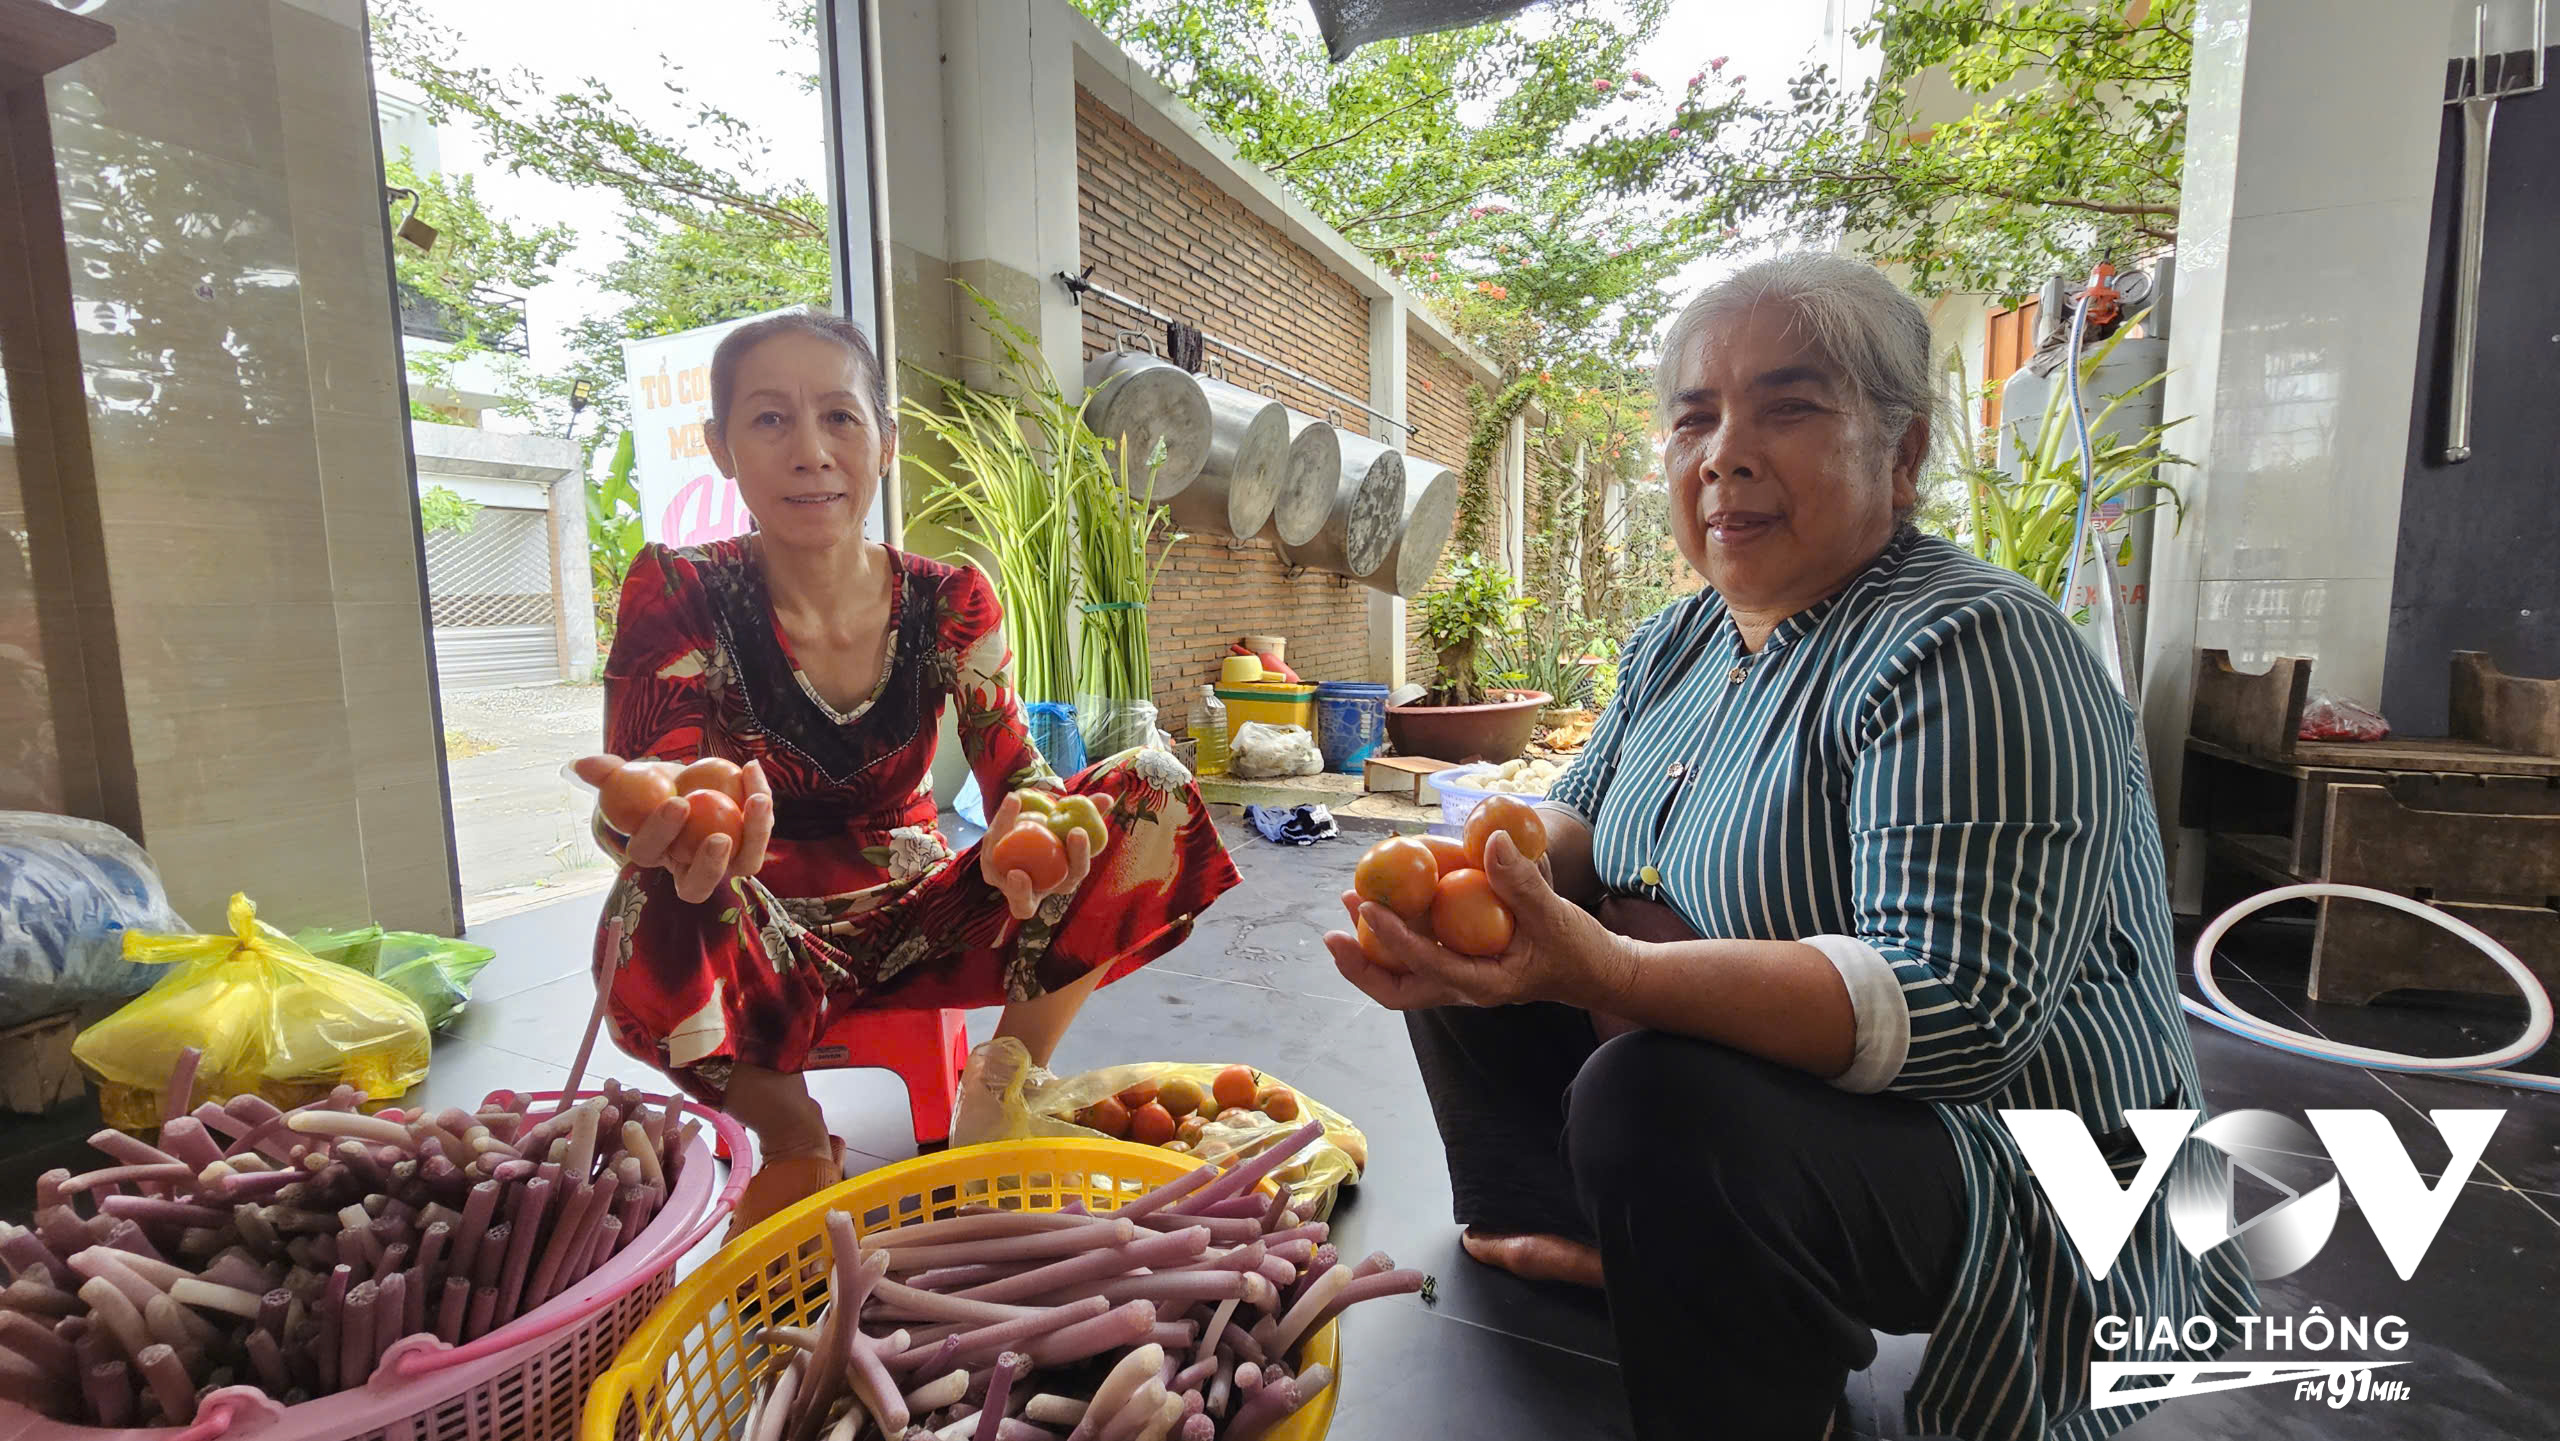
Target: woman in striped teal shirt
x,y
1862,853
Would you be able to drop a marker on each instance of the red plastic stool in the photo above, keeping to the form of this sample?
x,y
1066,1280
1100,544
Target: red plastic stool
x,y
927,1050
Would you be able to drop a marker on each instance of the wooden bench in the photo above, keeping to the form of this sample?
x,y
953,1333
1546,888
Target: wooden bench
x,y
2470,822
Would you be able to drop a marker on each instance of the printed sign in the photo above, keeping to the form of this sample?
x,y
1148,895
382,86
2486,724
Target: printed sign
x,y
684,499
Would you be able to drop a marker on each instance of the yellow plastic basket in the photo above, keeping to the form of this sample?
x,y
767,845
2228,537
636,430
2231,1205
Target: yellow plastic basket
x,y
688,1373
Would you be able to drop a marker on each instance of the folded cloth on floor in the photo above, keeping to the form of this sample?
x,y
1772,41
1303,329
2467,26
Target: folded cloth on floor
x,y
1297,826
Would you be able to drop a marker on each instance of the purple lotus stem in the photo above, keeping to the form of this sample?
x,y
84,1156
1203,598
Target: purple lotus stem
x,y
1220,1384
608,1242
1194,1376
1197,1426
940,1362
1240,1179
476,1211
1154,1252
229,1300
40,1344
133,1151
856,1273
1223,1230
1127,1326
492,1257
1314,1231
49,1186
1234,1208
390,1315
351,1125
37,1294
531,1204
1244,1343
169,1384
450,1308
955,1278
358,1158
241,1186
274,1308
1247,1257
579,1208
1169,1194
551,1171
1217,1327
1032,1246
158,1173
127,1236
266,1357
185,1137
355,1336
178,1099
101,1263
1300,1252
1136,1414
156,1211
64,1233
970,1347
432,1245
108,1386
24,1250
1009,1366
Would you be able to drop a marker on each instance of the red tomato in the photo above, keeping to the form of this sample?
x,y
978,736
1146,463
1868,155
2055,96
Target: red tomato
x,y
1034,850
1468,917
1400,874
708,814
1152,1125
1376,953
1234,1088
630,795
1452,855
1505,813
711,773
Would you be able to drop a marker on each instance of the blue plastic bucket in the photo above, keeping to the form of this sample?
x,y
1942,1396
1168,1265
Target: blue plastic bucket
x,y
1351,720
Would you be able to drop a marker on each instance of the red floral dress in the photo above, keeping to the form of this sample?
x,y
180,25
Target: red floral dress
x,y
862,905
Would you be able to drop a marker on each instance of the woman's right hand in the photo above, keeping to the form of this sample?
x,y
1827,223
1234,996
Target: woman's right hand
x,y
718,860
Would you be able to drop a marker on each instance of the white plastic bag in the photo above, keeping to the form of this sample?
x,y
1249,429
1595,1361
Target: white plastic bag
x,y
1262,752
69,890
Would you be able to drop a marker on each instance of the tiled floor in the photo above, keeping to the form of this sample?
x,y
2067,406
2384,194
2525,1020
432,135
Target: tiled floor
x,y
1495,1358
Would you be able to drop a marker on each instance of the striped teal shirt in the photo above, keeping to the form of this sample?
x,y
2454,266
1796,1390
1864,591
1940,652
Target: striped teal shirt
x,y
1933,765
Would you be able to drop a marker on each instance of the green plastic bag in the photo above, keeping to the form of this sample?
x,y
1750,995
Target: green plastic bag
x,y
430,970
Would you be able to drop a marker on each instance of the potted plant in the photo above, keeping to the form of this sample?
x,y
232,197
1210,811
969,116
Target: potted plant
x,y
1459,719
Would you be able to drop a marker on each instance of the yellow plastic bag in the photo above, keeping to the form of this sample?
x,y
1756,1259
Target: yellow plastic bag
x,y
270,1017
1000,1072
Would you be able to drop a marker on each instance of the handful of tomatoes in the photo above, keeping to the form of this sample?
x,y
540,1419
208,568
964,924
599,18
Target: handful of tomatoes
x,y
1175,1114
1439,887
1038,846
714,792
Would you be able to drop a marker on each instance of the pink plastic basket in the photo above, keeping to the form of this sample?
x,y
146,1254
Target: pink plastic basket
x,y
525,1381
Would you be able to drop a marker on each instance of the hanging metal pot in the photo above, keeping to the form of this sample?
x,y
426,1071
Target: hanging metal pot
x,y
1138,402
1308,483
1368,505
1248,456
1430,513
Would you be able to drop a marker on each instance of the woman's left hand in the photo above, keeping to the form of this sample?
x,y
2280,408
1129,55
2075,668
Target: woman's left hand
x,y
1020,896
1558,951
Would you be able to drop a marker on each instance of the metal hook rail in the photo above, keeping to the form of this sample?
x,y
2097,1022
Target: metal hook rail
x,y
1078,287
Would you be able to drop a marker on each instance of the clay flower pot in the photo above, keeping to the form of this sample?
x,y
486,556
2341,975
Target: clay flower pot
x,y
1498,730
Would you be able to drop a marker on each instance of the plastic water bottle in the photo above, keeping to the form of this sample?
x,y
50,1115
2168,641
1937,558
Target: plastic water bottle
x,y
1209,732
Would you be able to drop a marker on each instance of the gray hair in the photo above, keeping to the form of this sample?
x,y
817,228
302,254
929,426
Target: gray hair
x,y
1859,321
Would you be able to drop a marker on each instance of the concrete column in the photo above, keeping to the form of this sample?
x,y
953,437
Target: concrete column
x,y
2302,246
1009,182
574,578
1387,346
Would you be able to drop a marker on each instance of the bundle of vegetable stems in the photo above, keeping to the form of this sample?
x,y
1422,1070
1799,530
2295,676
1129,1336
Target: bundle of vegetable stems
x,y
247,1245
1115,520
1181,1316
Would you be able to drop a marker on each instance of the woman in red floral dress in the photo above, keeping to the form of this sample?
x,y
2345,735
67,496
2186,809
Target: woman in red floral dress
x,y
822,661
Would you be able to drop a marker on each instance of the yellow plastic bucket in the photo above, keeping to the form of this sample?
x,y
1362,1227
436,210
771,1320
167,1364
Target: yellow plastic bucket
x,y
690,1372
1275,703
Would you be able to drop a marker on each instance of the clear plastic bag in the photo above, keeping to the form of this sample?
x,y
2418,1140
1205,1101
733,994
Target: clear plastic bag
x,y
1004,1098
69,891
431,970
270,1018
1262,752
2326,717
1113,726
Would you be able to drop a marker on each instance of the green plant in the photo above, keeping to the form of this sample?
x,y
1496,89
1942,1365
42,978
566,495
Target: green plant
x,y
1474,609
2025,523
1019,462
440,509
613,535
1544,650
1116,521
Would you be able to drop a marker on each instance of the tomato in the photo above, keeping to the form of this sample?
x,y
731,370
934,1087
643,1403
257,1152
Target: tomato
x,y
1183,1096
711,773
1035,851
1398,873
1140,1093
1234,1088
1468,917
1107,1116
1079,813
707,814
1279,1103
1189,1130
1036,803
1451,854
1235,1115
1151,1125
1377,953
632,794
1505,813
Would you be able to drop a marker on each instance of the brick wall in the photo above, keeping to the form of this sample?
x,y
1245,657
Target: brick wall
x,y
1439,397
1159,232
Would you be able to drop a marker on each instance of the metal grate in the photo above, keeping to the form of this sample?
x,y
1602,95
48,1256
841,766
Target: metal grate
x,y
496,573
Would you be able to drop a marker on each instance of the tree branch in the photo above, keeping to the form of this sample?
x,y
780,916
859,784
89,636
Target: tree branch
x,y
1285,161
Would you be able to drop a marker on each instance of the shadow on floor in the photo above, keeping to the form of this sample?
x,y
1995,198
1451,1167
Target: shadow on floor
x,y
1496,1358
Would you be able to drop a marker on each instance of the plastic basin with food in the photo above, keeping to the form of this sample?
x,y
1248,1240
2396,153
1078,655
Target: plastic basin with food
x,y
1463,788
693,1368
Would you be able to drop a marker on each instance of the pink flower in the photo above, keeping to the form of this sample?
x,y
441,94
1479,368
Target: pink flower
x,y
1600,85
1637,76
1718,62
1697,80
1676,132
